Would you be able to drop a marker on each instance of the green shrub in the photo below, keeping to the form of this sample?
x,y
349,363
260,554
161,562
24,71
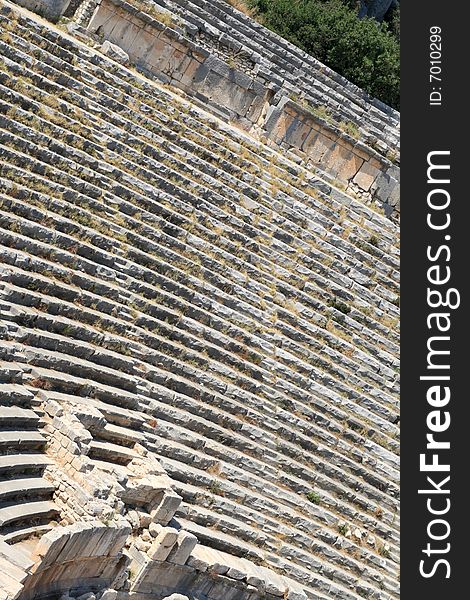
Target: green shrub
x,y
362,50
313,497
339,305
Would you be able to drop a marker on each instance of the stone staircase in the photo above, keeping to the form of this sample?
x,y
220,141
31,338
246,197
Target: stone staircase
x,y
157,262
26,506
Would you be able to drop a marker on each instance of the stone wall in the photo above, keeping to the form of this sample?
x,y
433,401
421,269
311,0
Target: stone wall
x,y
350,162
281,62
90,560
161,50
76,559
357,150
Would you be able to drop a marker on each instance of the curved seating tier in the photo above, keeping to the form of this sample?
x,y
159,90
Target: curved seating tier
x,y
156,261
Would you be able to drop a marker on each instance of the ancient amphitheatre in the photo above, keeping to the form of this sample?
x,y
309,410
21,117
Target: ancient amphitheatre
x,y
199,311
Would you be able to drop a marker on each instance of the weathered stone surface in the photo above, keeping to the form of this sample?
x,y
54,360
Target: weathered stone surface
x,y
163,543
199,358
183,547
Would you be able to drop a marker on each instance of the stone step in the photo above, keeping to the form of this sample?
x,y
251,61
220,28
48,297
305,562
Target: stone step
x,y
21,440
31,486
354,409
306,299
108,452
21,463
10,374
122,435
231,545
265,462
60,398
126,418
52,340
343,359
222,563
325,542
218,172
18,556
104,407
14,394
20,533
78,367
241,487
27,511
278,519
100,396
313,554
222,541
256,371
10,579
11,416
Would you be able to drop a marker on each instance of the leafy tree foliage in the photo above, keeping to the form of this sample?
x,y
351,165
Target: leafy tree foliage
x,y
362,50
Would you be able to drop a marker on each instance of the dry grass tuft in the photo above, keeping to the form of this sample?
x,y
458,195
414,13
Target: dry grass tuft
x,y
243,6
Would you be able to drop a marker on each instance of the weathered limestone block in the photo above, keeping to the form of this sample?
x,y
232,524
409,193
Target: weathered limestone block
x,y
184,546
76,555
163,544
109,595
366,176
143,43
15,556
336,161
115,52
275,584
229,590
7,568
203,559
190,74
80,540
387,184
145,490
49,547
317,146
165,510
11,588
